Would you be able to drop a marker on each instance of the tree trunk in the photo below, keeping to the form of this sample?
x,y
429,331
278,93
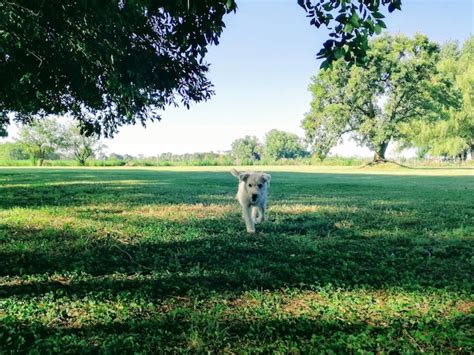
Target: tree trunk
x,y
41,156
380,150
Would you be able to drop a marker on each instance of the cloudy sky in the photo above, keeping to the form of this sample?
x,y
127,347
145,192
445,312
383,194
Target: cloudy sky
x,y
261,71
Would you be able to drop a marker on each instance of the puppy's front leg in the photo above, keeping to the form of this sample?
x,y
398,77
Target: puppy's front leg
x,y
258,214
249,223
263,211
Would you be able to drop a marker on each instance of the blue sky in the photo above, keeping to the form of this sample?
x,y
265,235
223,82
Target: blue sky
x,y
261,70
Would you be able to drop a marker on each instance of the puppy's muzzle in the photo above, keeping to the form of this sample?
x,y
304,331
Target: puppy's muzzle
x,y
254,197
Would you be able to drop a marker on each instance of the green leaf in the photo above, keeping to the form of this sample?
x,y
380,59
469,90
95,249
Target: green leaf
x,y
325,64
377,14
381,24
354,20
348,28
339,52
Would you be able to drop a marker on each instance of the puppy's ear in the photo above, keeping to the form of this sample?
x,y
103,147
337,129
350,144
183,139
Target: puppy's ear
x,y
235,173
267,178
244,176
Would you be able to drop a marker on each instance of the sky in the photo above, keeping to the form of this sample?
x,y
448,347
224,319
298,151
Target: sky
x,y
261,71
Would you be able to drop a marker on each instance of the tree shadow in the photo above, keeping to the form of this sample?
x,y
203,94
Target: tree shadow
x,y
50,188
344,231
169,332
364,231
222,258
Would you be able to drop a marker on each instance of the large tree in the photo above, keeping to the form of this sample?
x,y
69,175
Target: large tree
x,y
110,63
281,144
81,146
399,83
453,137
246,150
107,63
42,137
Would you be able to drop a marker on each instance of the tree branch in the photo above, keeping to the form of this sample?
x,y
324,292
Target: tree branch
x,y
394,112
22,8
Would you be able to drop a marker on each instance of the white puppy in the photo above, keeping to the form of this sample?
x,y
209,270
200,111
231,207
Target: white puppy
x,y
252,196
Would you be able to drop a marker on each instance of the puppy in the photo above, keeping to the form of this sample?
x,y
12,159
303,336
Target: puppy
x,y
252,196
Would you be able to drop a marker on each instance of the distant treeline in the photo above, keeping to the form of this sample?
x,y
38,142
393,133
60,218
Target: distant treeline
x,y
168,159
50,143
207,159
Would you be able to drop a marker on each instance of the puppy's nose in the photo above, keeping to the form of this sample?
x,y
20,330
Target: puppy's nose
x,y
254,197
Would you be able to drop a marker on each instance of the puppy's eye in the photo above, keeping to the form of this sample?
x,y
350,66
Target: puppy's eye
x,y
260,186
250,185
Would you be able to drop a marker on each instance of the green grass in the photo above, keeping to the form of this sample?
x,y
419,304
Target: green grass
x,y
157,260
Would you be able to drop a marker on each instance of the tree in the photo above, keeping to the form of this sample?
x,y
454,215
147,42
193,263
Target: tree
x,y
400,83
42,137
246,150
83,147
453,137
12,151
355,21
111,63
107,63
280,144
115,156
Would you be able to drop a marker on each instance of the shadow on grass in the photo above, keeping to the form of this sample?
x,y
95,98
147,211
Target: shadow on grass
x,y
348,231
389,235
273,259
193,331
33,189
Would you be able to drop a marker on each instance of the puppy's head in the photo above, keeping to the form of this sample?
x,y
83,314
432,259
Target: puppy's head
x,y
255,184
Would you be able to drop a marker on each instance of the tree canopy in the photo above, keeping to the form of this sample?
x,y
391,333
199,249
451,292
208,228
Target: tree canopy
x,y
106,63
42,137
12,151
454,136
110,63
246,150
400,83
82,147
283,145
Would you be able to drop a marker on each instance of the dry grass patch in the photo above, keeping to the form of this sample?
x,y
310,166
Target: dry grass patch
x,y
465,307
303,304
180,212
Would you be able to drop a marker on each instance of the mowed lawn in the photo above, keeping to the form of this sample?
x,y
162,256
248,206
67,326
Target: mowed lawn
x,y
157,260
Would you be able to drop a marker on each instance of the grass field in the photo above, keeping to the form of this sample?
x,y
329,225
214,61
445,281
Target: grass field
x,y
157,260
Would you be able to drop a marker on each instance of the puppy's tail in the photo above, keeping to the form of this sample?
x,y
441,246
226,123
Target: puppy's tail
x,y
235,173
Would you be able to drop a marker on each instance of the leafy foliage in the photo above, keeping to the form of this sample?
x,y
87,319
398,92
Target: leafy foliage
x,y
246,150
400,83
453,137
114,63
107,63
42,137
283,145
83,147
351,22
12,151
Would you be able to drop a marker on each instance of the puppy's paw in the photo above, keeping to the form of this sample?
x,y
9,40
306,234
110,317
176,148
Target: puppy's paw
x,y
250,231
